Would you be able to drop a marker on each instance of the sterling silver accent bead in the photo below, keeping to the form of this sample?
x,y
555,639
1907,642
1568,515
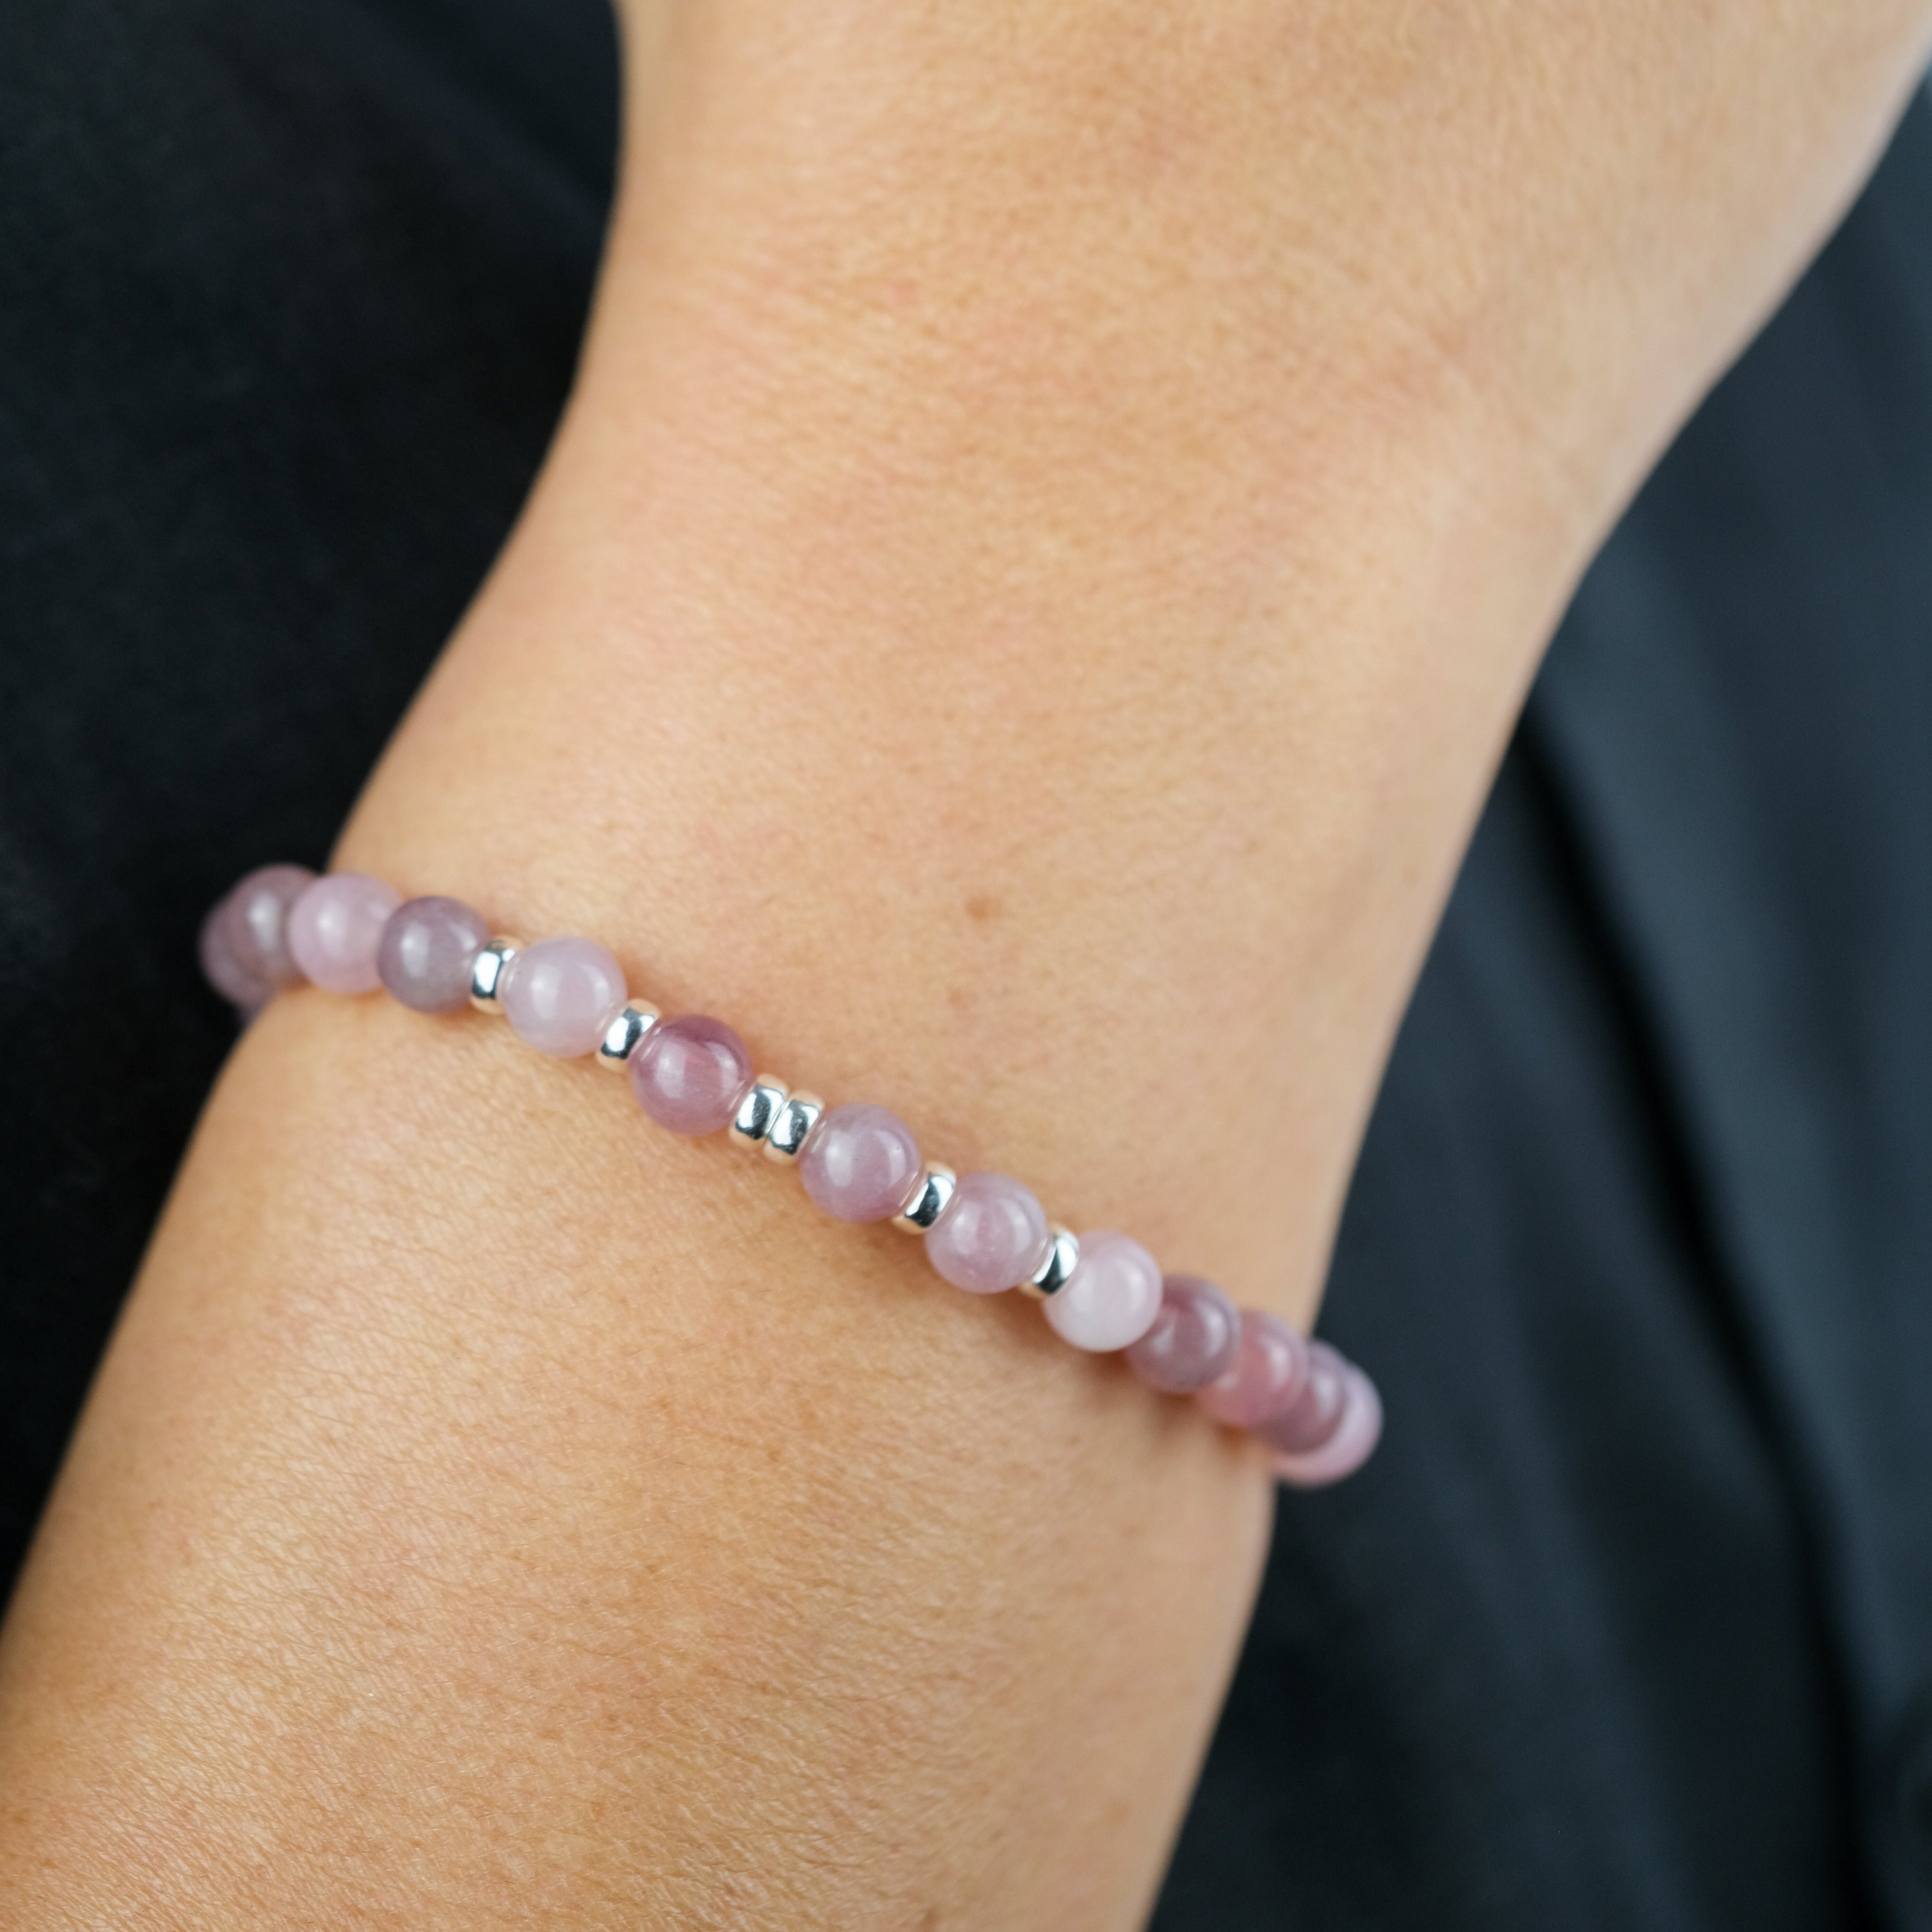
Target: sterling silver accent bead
x,y
1062,1257
486,974
758,1112
625,1035
929,1203
792,1125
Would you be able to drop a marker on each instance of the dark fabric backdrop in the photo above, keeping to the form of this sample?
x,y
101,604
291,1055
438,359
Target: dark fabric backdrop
x,y
1630,1624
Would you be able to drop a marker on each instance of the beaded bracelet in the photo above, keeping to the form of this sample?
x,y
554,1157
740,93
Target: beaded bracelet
x,y
1318,1414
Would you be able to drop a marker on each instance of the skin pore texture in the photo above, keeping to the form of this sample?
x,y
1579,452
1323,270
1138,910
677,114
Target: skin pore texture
x,y
1062,504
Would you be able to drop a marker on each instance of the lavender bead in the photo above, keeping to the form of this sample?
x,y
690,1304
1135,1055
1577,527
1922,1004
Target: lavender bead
x,y
861,1164
1356,1434
427,949
244,940
991,1236
1270,1365
335,927
1309,1416
691,1073
1193,1338
562,994
1112,1298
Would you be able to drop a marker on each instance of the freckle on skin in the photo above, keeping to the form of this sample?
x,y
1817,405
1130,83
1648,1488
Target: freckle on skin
x,y
982,907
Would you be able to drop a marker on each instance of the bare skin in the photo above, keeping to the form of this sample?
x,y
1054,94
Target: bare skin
x,y
1060,509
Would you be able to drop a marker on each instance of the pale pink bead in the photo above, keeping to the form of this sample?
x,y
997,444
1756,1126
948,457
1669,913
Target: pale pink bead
x,y
691,1073
861,1163
1354,1442
244,940
335,928
1270,1365
1313,1412
991,1236
1193,1338
1112,1298
562,994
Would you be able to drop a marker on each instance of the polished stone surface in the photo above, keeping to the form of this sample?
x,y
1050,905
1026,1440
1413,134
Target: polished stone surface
x,y
1270,1365
1193,1339
991,1236
1357,1431
691,1073
562,994
1112,1297
335,927
427,950
244,940
1313,1412
861,1163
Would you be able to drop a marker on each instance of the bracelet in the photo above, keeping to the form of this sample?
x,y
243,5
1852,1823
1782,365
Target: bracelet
x,y
1318,1414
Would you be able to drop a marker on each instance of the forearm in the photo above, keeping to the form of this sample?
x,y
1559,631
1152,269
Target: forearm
x,y
1004,627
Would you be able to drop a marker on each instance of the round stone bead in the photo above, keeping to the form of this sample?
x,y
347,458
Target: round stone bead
x,y
861,1163
427,951
1357,1431
691,1073
1270,1365
1193,1338
991,1236
335,927
1312,1414
244,940
562,994
1112,1298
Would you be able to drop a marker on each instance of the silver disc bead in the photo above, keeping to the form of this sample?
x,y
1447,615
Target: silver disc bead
x,y
624,1035
486,974
1062,1257
758,1112
925,1206
792,1125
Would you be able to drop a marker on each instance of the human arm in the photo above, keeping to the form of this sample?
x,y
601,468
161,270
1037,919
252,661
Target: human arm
x,y
1017,457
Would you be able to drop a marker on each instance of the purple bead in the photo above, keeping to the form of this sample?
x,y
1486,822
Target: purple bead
x,y
1357,1431
1270,1365
861,1163
691,1073
244,940
1111,1299
427,949
335,927
562,994
1193,1338
1312,1414
990,1237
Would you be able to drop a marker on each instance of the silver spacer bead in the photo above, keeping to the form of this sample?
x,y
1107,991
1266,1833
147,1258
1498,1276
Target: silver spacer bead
x,y
797,1116
929,1203
757,1113
486,974
625,1035
1062,1257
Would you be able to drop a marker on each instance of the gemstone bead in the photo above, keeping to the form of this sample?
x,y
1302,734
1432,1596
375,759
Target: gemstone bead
x,y
562,994
1112,1297
244,940
1193,1338
427,951
335,928
861,1164
691,1073
1357,1432
1271,1364
990,1236
1312,1414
